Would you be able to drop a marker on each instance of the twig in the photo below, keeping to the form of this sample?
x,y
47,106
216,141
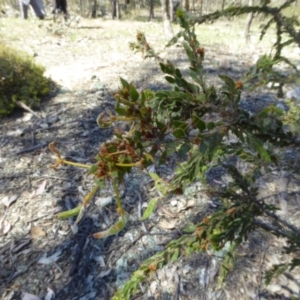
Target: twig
x,y
37,218
53,177
260,274
270,228
7,246
29,149
13,276
24,106
140,210
285,223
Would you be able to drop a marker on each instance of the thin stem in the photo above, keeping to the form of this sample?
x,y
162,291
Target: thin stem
x,y
126,165
271,228
89,196
116,153
285,223
136,164
75,164
121,211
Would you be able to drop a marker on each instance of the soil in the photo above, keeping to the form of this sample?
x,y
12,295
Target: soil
x,y
55,259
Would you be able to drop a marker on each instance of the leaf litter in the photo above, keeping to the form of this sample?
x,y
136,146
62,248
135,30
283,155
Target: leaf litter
x,y
75,109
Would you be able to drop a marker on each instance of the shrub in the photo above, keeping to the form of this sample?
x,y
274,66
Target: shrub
x,y
21,79
197,122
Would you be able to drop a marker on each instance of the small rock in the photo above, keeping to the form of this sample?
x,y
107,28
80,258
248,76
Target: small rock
x,y
101,202
293,94
64,90
174,202
100,94
97,86
80,93
52,119
94,77
44,125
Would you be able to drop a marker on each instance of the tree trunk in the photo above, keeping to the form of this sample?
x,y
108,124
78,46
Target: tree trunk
x,y
94,9
171,10
223,4
200,7
166,19
187,5
151,10
118,9
248,23
115,9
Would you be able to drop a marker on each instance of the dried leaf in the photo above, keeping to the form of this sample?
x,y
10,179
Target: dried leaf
x,y
6,227
167,225
50,294
163,211
100,260
80,215
8,200
104,273
49,260
27,296
101,202
74,228
37,232
40,189
189,204
62,232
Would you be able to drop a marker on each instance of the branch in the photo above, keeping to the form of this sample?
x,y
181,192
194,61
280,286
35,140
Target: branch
x,y
273,11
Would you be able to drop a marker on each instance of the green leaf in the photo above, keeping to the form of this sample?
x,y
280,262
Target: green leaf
x,y
180,128
184,149
160,184
198,123
210,125
258,146
189,51
124,83
133,93
151,206
93,169
178,73
175,255
161,126
162,67
179,133
171,148
154,176
229,82
69,213
121,111
190,229
170,79
114,229
99,182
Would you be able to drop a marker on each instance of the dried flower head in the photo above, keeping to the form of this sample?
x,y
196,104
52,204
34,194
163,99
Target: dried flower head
x,y
238,85
201,51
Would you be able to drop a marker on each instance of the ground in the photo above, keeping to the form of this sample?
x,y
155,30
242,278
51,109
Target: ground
x,y
41,255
